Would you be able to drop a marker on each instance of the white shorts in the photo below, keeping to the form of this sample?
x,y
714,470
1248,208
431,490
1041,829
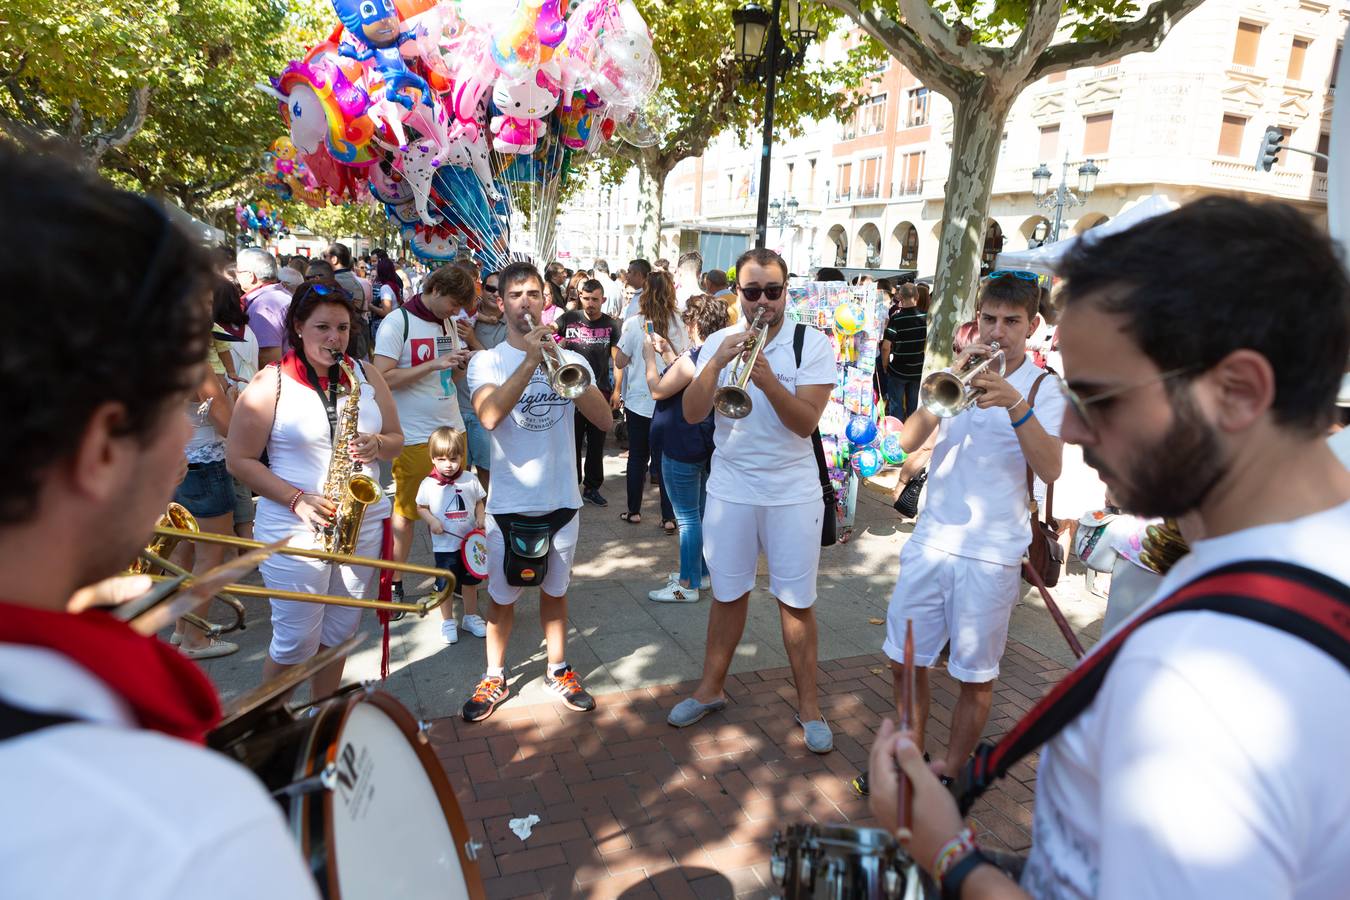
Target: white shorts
x,y
559,563
968,600
298,627
734,535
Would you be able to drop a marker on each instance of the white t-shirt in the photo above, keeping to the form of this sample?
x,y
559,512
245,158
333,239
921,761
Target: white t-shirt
x,y
637,394
245,355
1340,445
614,292
429,402
1212,761
977,478
453,504
105,809
757,460
534,467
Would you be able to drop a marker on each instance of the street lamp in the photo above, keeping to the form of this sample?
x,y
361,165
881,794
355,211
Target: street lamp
x,y
1062,196
763,54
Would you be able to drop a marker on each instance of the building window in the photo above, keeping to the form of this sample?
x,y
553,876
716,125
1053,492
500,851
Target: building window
x,y
1049,143
790,168
1283,158
1298,51
872,115
843,182
916,108
1231,133
909,174
1324,148
869,185
993,245
909,249
1096,134
811,180
1247,44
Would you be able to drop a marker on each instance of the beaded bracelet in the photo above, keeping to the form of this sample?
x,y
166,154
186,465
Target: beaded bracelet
x,y
296,499
953,850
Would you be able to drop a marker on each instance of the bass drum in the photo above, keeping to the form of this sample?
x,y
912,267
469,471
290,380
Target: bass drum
x,y
368,802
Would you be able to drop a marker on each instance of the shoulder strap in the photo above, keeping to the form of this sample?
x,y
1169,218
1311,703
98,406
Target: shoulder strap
x,y
15,721
404,310
1294,599
276,404
1050,487
798,341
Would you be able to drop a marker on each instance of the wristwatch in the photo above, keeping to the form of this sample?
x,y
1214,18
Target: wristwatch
x,y
960,871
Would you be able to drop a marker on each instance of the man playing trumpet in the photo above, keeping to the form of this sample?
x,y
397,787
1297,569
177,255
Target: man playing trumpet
x,y
524,392
764,493
960,571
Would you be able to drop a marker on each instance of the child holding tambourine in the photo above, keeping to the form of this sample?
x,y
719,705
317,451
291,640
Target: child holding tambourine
x,y
451,501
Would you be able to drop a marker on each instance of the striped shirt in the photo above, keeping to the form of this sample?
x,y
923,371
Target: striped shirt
x,y
907,330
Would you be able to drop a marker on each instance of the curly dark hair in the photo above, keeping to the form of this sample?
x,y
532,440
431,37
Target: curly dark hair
x,y
706,314
128,325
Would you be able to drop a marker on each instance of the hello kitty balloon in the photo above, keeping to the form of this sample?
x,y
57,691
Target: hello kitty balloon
x,y
523,106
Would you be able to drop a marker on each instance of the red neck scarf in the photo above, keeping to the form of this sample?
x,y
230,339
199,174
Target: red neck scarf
x,y
416,307
440,479
293,366
165,690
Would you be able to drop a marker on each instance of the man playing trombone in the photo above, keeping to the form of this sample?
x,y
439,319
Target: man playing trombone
x,y
524,392
960,571
769,388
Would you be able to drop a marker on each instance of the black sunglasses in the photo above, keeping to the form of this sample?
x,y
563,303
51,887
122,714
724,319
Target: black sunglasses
x,y
491,289
772,292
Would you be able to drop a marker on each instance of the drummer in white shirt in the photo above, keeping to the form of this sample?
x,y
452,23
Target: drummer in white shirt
x,y
764,492
108,791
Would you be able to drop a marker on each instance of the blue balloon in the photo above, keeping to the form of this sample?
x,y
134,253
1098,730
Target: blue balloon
x,y
861,431
867,462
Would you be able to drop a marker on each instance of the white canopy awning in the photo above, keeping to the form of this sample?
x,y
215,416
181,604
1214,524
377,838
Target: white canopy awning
x,y
203,232
1044,258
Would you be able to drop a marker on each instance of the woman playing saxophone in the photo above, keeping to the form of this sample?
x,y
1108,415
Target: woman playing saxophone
x,y
322,434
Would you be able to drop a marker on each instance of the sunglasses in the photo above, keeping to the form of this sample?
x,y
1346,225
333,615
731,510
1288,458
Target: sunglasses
x,y
324,290
772,292
1083,406
490,288
1015,273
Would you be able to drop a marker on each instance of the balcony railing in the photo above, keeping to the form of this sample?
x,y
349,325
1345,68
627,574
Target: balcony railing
x,y
869,192
907,188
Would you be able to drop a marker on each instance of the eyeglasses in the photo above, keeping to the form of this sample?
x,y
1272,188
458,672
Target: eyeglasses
x,y
771,291
324,290
1015,273
490,288
1082,405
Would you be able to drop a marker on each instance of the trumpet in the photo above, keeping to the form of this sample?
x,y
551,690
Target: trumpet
x,y
176,534
947,394
570,380
733,400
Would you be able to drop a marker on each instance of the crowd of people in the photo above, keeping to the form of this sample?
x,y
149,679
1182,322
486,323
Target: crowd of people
x,y
1192,753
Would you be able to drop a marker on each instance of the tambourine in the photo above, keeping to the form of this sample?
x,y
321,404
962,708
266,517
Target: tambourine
x,y
475,553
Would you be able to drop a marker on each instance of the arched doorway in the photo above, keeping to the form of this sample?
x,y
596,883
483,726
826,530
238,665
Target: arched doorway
x,y
905,246
1088,221
867,247
993,246
839,239
1036,231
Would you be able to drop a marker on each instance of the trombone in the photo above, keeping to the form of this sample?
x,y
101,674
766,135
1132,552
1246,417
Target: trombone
x,y
733,400
570,380
179,525
947,394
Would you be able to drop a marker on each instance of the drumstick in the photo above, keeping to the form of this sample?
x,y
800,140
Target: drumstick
x,y
904,808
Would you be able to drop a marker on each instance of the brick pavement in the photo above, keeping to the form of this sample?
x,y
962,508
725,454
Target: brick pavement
x,y
631,807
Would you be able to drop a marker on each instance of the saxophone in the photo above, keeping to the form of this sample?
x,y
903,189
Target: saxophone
x,y
348,489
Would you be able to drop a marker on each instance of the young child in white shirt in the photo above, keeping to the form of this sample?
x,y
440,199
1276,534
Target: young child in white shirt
x,y
451,501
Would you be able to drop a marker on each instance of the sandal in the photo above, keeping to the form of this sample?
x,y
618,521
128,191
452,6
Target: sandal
x,y
669,526
631,518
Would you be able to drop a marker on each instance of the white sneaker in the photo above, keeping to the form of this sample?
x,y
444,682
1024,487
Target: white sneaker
x,y
474,625
449,631
674,593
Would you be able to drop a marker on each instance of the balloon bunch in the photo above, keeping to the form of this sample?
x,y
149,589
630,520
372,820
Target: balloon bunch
x,y
260,218
463,118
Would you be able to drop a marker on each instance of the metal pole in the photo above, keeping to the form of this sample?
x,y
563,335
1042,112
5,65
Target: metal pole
x,y
766,150
1059,200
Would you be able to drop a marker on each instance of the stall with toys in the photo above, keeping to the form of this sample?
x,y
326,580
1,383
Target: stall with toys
x,y
859,442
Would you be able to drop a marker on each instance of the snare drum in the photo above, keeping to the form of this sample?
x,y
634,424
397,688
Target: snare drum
x,y
839,862
368,802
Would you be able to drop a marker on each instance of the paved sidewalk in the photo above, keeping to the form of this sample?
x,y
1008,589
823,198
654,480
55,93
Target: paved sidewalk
x,y
619,640
631,807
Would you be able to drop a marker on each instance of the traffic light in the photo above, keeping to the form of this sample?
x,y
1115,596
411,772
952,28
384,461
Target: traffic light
x,y
1272,143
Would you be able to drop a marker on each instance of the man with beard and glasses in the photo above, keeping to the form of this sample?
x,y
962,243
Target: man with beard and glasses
x,y
961,570
764,493
1209,762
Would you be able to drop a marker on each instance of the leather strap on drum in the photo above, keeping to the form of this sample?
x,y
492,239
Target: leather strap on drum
x,y
1294,599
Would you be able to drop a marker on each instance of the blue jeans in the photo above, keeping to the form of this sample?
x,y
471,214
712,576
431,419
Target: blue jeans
x,y
687,486
902,397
